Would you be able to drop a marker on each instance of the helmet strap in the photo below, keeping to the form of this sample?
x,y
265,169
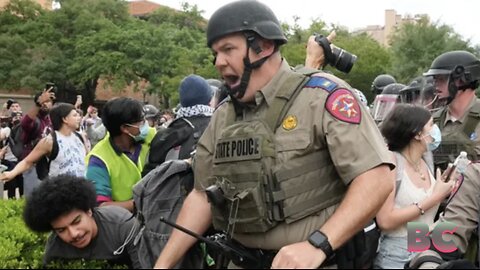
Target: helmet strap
x,y
252,43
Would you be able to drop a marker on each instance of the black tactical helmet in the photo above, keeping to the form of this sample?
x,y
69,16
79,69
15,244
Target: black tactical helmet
x,y
393,89
447,62
150,111
460,65
380,82
244,15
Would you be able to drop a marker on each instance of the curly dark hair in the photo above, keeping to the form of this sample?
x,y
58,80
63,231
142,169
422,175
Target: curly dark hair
x,y
402,124
55,197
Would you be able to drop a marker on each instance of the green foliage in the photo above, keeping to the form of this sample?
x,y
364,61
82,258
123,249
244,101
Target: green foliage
x,y
91,39
414,46
22,248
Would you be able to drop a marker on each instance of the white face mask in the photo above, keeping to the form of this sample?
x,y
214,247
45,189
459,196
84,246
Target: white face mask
x,y
436,136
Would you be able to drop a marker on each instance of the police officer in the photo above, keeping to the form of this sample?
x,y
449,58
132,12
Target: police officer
x,y
380,82
300,165
456,75
151,114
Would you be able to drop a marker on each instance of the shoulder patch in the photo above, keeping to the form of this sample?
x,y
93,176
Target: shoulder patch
x,y
321,82
344,106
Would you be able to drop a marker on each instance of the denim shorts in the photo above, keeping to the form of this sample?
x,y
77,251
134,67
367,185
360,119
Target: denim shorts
x,y
392,253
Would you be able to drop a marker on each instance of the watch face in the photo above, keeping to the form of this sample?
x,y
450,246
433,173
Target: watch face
x,y
317,238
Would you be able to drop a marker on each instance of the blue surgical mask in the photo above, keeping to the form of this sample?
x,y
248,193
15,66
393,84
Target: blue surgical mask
x,y
143,132
437,138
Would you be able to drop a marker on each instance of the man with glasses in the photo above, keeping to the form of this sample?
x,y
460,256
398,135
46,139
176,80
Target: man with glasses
x,y
115,164
456,75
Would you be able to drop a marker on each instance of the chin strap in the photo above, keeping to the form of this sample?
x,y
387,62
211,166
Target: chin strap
x,y
239,91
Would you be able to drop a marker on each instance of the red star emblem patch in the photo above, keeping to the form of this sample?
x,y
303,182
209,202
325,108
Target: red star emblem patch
x,y
344,106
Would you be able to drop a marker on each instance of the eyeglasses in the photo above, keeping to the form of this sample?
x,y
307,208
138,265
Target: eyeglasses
x,y
141,123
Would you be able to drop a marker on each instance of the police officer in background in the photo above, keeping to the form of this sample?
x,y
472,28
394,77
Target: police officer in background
x,y
380,82
456,75
299,165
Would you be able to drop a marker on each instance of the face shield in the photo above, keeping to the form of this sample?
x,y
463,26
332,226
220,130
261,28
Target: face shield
x,y
410,96
382,105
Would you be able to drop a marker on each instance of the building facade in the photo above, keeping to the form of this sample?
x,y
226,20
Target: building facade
x,y
383,34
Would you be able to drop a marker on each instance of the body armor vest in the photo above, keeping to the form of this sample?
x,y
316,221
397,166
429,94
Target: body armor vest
x,y
258,191
459,139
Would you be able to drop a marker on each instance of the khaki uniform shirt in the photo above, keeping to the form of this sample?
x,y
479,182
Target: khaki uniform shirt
x,y
452,125
353,148
463,209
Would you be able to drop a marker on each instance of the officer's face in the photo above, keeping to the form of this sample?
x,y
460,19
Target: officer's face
x,y
76,228
230,52
441,85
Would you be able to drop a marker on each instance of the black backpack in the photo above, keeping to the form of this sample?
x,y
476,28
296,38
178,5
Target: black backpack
x,y
175,142
16,142
43,165
161,193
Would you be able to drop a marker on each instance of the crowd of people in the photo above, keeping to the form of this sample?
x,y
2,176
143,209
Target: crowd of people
x,y
292,165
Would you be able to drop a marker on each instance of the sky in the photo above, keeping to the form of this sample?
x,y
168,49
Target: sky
x,y
461,15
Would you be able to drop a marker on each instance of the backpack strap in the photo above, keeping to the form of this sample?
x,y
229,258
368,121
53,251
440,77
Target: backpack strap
x,y
284,100
53,155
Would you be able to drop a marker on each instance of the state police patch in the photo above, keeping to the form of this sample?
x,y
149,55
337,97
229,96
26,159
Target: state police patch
x,y
342,105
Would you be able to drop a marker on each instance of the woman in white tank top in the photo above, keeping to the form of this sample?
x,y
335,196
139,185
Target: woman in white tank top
x,y
410,133
71,151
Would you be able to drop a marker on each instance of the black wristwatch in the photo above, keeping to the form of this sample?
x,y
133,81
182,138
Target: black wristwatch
x,y
320,240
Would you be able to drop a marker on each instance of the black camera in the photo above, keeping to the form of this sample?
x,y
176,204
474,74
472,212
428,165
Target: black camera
x,y
336,57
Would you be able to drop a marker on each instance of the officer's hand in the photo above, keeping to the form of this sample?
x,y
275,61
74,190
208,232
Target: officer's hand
x,y
298,255
315,56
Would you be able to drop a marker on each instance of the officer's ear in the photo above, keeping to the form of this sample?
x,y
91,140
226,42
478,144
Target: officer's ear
x,y
267,46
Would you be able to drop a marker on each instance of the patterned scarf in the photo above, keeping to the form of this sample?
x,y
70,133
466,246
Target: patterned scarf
x,y
194,111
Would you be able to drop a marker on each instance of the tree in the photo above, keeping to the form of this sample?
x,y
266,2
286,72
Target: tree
x,y
87,40
415,45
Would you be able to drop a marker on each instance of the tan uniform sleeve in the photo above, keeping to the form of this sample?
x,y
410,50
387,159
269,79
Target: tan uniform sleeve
x,y
354,148
463,208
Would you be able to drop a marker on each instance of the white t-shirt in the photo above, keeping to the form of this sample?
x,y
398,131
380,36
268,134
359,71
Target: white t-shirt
x,y
71,156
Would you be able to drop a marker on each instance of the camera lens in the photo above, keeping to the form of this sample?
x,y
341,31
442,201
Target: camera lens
x,y
343,60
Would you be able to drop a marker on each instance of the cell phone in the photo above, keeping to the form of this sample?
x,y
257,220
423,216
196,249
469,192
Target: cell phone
x,y
51,85
451,168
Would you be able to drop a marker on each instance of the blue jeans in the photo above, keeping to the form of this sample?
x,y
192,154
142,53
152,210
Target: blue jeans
x,y
393,253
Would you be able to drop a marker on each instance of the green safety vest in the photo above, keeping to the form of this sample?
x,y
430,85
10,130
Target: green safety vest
x,y
123,172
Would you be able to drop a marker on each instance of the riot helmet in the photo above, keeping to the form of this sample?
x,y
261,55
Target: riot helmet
x,y
456,65
151,114
386,101
254,20
411,93
244,15
380,82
